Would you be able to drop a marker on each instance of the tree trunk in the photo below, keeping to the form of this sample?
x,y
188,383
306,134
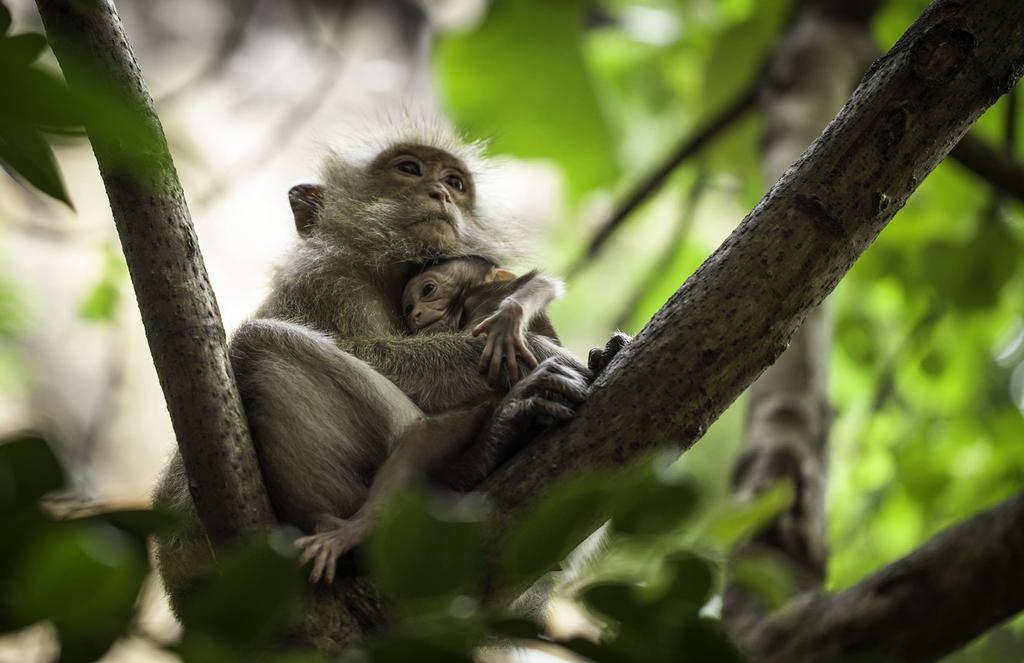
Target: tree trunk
x,y
818,63
179,310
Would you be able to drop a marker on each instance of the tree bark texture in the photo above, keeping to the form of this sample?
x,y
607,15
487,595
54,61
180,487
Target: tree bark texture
x,y
179,310
920,608
819,61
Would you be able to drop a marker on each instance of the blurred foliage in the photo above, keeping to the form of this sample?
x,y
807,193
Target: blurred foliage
x,y
42,105
430,553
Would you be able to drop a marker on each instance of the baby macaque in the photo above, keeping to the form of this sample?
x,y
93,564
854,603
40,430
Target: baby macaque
x,y
470,293
454,295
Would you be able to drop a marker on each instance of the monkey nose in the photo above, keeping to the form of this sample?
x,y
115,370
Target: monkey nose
x,y
438,192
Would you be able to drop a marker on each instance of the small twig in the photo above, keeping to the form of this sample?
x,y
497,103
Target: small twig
x,y
992,165
690,146
684,223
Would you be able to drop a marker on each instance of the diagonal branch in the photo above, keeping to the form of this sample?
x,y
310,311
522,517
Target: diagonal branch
x,y
920,608
738,312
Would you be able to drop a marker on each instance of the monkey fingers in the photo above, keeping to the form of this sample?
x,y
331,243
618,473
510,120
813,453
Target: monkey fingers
x,y
558,379
325,548
547,412
599,358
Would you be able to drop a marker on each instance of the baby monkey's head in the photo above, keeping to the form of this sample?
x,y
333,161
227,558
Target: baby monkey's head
x,y
434,300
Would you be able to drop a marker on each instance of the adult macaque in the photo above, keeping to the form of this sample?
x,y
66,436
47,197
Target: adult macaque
x,y
329,378
451,296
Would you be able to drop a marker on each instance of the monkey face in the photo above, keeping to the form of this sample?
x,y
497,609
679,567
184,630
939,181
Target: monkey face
x,y
429,303
432,194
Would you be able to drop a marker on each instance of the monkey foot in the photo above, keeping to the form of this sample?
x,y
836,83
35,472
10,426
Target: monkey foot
x,y
327,546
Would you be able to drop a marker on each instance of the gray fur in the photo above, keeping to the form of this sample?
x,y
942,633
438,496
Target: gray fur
x,y
326,374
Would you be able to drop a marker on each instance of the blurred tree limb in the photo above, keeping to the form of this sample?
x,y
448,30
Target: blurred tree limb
x,y
920,608
995,166
819,61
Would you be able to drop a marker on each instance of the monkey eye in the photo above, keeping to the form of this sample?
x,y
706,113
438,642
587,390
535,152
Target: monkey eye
x,y
455,182
428,289
409,167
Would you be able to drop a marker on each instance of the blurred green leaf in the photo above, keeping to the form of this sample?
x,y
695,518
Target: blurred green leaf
x,y
521,78
741,520
21,50
652,504
691,579
765,576
619,601
84,577
704,641
43,100
24,150
28,470
418,550
554,526
251,596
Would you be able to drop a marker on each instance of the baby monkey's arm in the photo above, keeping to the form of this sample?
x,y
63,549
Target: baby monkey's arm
x,y
528,296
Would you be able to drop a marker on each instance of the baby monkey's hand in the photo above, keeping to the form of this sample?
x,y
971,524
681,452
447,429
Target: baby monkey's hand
x,y
504,330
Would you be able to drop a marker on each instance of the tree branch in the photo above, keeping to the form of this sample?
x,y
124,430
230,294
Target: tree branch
x,y
920,608
994,166
738,312
645,189
179,311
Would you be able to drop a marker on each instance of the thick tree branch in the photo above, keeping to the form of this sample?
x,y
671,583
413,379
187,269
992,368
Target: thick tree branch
x,y
737,314
178,307
994,166
928,604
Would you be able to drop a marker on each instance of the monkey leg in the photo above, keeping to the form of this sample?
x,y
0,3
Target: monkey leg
x,y
323,422
545,397
422,445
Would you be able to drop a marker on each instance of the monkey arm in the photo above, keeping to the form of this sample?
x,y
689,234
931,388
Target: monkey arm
x,y
440,372
506,343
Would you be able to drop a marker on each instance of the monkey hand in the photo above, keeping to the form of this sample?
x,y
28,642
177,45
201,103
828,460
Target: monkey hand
x,y
546,396
600,357
333,538
505,343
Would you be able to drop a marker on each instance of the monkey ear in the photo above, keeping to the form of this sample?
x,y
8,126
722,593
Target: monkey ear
x,y
307,201
499,274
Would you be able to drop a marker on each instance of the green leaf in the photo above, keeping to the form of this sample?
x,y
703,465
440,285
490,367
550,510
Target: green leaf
x,y
691,579
704,641
24,150
652,504
43,100
618,601
971,276
554,526
420,551
741,520
84,577
28,470
21,50
764,576
251,596
521,80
